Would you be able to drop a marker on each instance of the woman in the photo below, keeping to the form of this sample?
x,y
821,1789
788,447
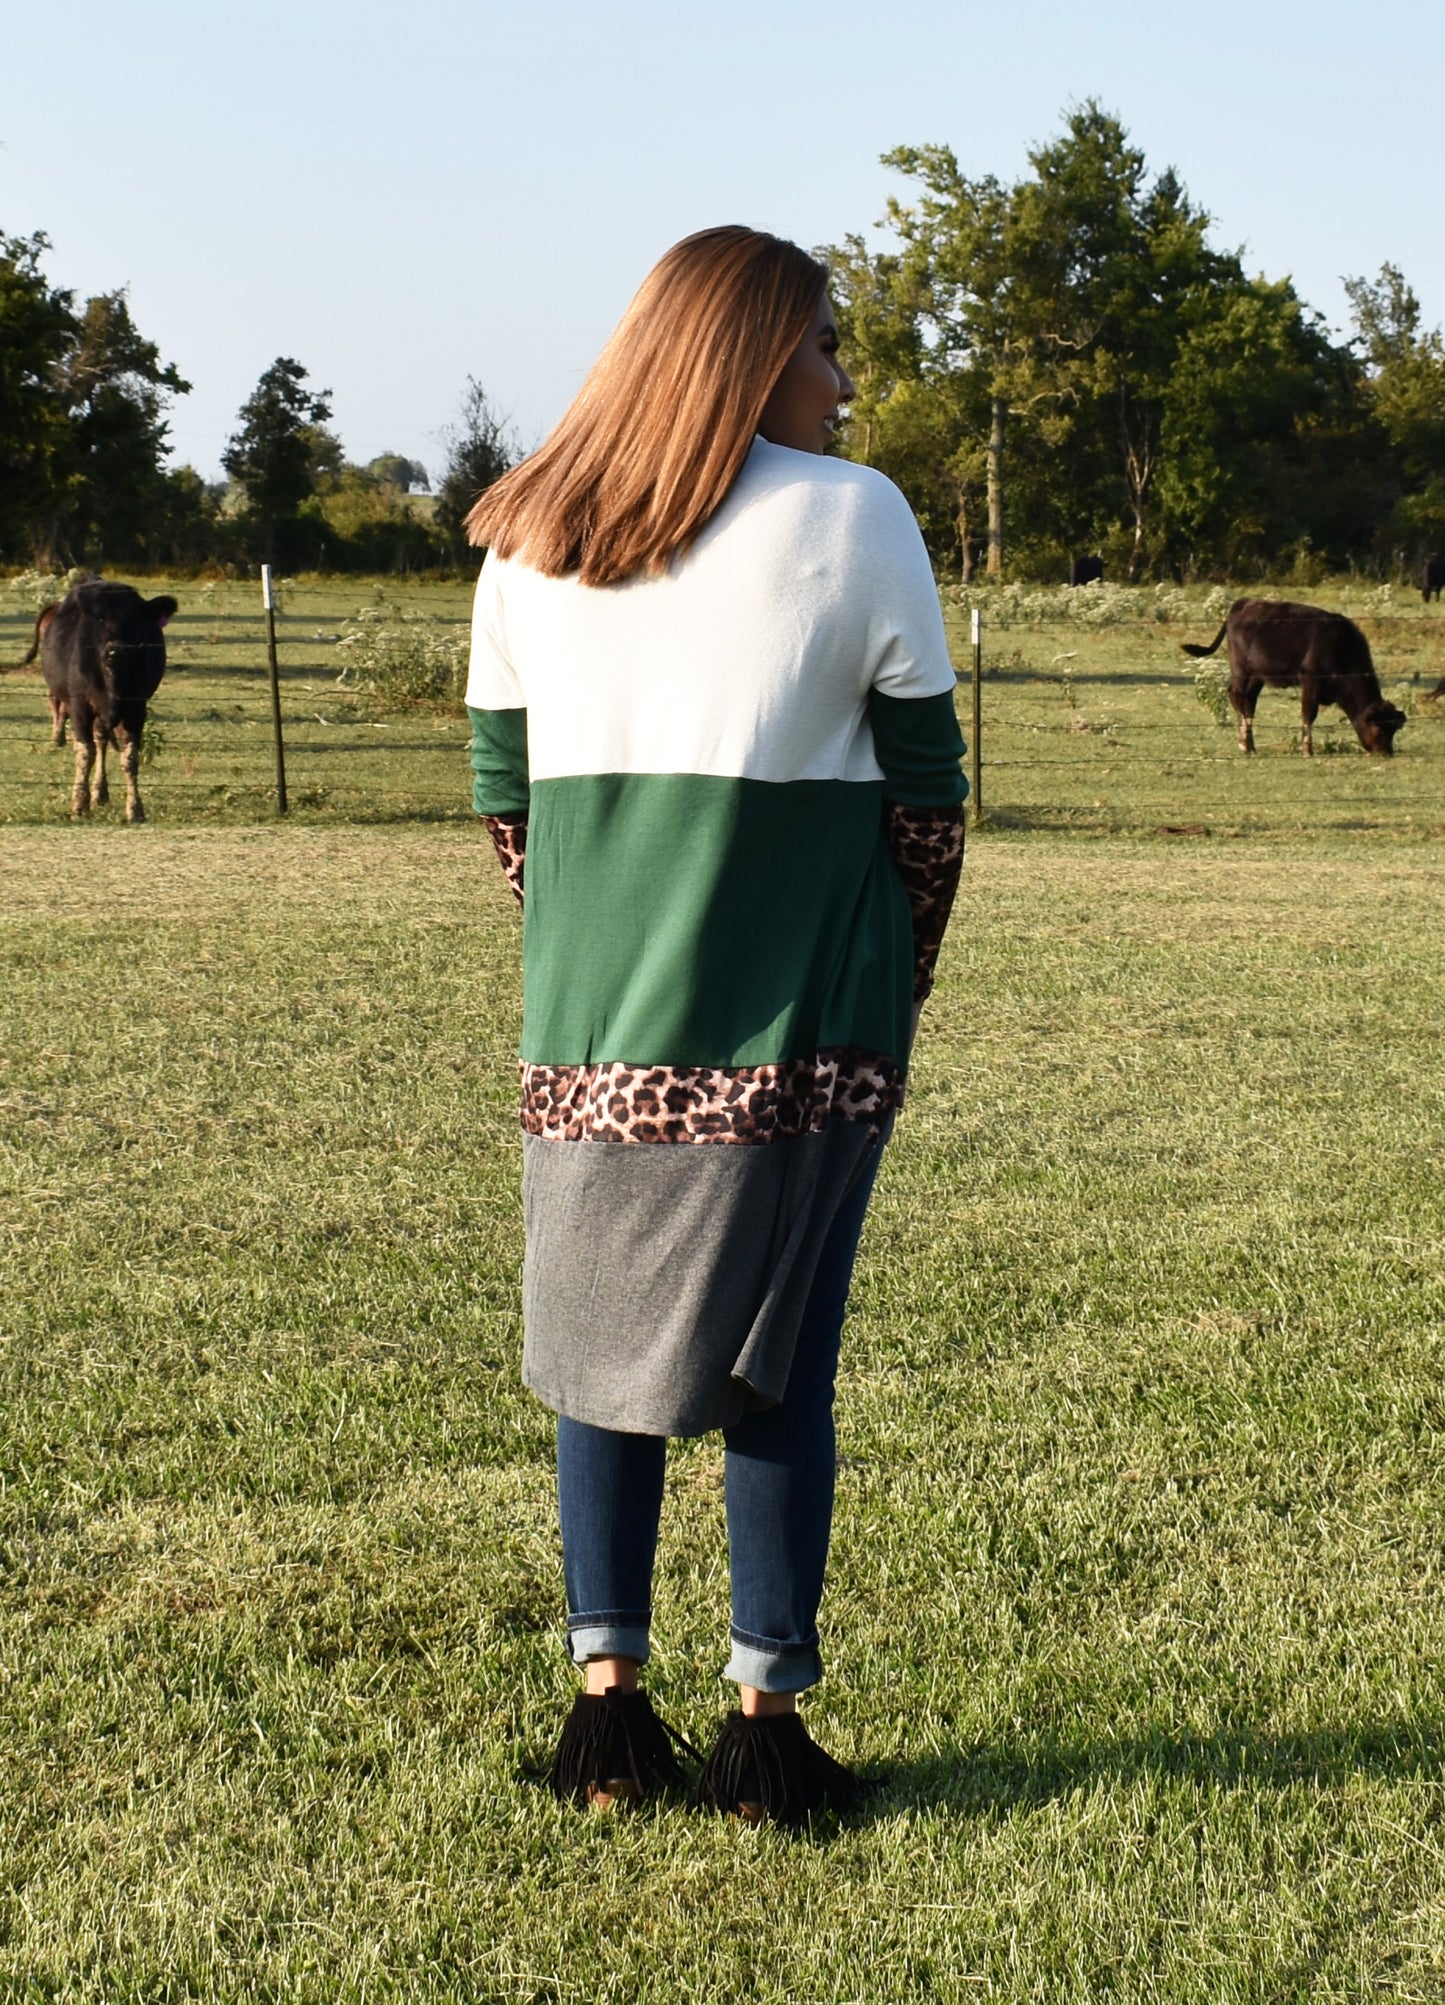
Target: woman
x,y
712,711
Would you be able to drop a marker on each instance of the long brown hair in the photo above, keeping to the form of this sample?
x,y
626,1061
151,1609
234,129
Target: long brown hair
x,y
657,434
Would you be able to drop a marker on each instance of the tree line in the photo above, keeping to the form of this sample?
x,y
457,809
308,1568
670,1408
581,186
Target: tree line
x,y
1068,364
84,446
1062,364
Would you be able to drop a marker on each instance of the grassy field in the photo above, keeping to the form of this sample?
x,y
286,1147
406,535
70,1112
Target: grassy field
x,y
1139,1581
212,760
1091,724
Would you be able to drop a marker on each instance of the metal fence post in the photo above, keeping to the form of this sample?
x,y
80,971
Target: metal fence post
x,y
268,600
976,737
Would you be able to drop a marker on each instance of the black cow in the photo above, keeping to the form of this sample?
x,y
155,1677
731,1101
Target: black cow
x,y
1322,654
1432,578
1086,571
102,655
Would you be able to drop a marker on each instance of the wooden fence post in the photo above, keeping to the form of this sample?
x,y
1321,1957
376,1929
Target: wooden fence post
x,y
268,600
976,744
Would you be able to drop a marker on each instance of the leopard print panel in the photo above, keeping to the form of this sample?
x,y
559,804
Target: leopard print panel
x,y
509,839
709,1103
927,849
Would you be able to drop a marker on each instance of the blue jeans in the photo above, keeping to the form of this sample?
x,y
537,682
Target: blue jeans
x,y
779,1468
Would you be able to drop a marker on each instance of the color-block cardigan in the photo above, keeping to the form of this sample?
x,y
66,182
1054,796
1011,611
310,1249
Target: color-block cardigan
x,y
733,796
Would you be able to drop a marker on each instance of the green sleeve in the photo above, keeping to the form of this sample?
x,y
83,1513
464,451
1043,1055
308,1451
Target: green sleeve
x,y
499,762
919,745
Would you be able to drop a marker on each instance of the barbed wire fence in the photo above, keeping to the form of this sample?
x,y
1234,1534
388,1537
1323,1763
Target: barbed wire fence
x,y
404,655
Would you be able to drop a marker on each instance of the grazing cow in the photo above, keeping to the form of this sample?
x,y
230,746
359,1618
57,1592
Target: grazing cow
x,y
102,655
1432,578
1322,654
1086,571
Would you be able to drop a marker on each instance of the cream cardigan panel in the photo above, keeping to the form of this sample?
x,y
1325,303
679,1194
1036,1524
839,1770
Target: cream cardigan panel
x,y
752,658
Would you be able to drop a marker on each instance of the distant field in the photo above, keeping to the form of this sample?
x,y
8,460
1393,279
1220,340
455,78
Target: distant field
x,y
1139,1584
1090,727
1091,724
345,759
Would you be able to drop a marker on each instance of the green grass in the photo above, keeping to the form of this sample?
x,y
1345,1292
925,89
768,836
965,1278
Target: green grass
x,y
212,761
1090,723
1137,1589
1097,729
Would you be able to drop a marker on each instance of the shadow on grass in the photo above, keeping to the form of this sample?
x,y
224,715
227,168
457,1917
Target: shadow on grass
x,y
201,666
983,1778
1054,678
1071,820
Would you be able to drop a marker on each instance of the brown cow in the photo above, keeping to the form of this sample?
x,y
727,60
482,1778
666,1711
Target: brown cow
x,y
1322,654
102,654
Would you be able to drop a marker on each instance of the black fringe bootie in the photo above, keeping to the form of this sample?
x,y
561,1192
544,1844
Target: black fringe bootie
x,y
614,1749
771,1768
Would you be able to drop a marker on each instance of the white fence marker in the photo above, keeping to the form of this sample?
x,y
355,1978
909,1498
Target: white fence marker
x,y
268,600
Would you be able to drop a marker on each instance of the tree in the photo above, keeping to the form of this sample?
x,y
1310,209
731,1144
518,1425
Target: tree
x,y
395,470
1256,379
915,414
370,523
325,455
952,265
279,450
1152,273
1074,346
183,527
480,448
83,434
1012,279
1404,366
37,325
116,390
1053,298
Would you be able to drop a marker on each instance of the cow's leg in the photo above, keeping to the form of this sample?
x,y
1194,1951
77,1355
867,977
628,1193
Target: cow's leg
x,y
128,742
80,792
57,717
1309,711
99,791
1244,699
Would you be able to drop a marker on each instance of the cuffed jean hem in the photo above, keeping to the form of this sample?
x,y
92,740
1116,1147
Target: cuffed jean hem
x,y
773,1667
604,1636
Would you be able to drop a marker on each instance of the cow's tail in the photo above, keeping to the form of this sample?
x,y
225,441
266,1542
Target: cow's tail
x,y
1200,652
42,621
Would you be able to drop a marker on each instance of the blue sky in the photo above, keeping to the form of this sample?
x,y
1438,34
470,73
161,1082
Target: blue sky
x,y
400,196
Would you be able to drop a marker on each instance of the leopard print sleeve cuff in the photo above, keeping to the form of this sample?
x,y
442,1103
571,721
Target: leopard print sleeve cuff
x,y
509,838
927,850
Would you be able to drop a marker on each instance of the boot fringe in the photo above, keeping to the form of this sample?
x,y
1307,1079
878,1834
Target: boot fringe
x,y
771,1768
613,1745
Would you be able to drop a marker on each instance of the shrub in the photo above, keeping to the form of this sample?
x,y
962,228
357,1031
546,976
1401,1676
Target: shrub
x,y
1210,680
405,657
34,589
1089,606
